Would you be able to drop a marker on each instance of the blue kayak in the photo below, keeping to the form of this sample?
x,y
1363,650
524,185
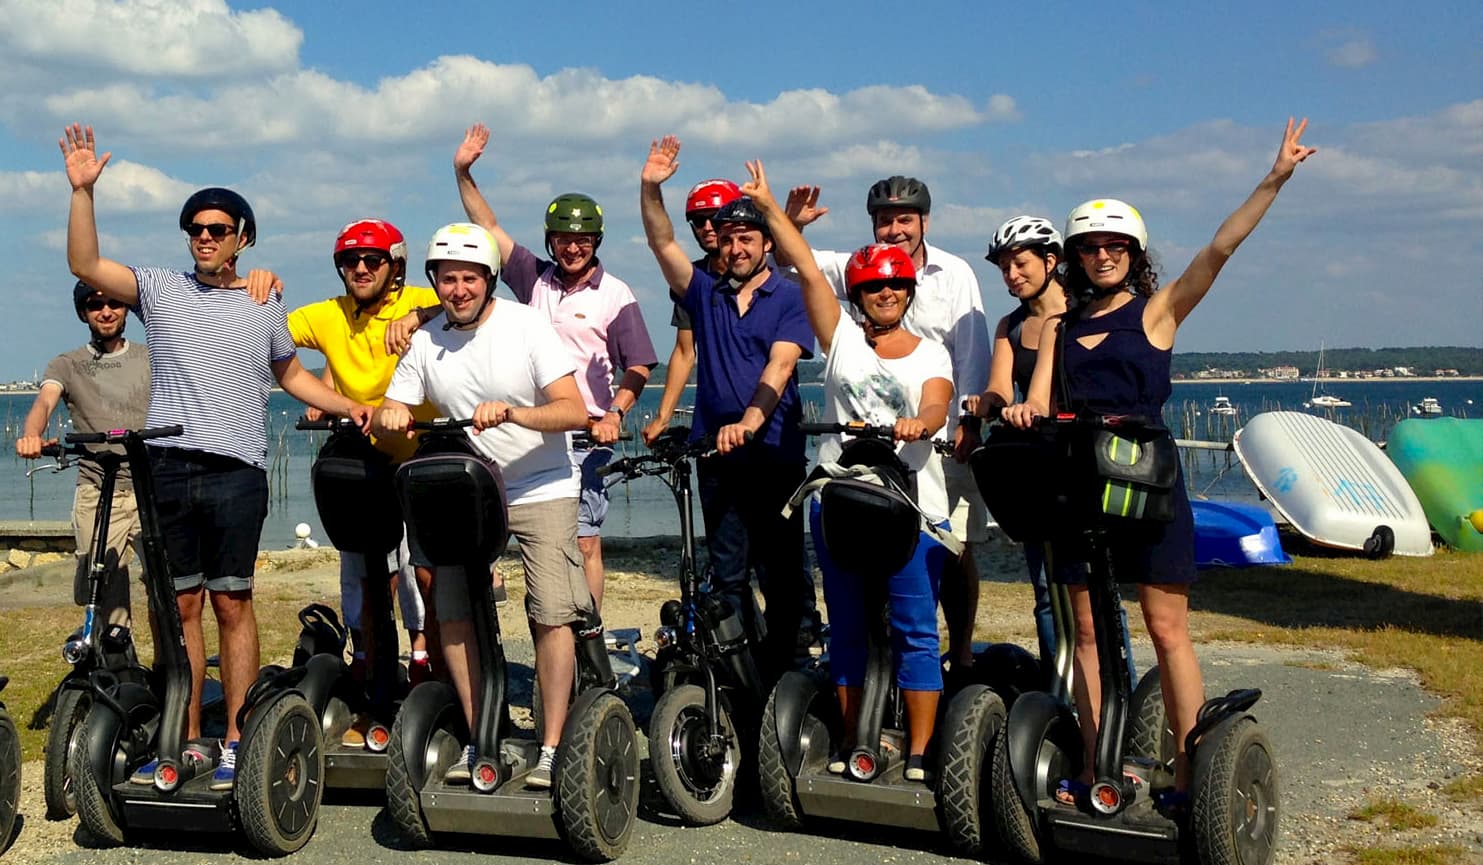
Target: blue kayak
x,y
1235,535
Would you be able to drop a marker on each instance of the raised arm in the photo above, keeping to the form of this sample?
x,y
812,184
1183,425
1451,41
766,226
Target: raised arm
x,y
661,165
788,245
1181,296
474,205
803,209
84,166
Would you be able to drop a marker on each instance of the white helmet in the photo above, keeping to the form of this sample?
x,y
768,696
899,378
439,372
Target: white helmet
x,y
466,242
1021,231
1109,215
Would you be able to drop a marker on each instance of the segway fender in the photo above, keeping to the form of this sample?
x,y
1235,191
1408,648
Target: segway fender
x,y
259,710
322,674
1200,764
1031,719
417,719
108,731
794,692
583,702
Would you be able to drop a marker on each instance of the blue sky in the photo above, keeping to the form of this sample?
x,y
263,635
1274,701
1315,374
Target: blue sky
x,y
319,116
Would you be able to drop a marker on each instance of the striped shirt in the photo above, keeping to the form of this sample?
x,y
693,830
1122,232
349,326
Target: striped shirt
x,y
211,353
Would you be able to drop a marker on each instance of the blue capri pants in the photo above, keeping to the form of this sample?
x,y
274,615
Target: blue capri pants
x,y
913,593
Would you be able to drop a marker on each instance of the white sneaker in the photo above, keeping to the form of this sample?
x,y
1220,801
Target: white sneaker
x,y
540,777
462,769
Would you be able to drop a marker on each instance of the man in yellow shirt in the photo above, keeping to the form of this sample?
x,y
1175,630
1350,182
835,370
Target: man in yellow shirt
x,y
351,332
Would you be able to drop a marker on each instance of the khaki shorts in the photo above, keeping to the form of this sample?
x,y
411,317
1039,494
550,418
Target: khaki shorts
x,y
970,516
123,529
556,590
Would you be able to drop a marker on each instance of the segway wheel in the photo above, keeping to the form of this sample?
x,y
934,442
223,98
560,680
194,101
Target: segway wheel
x,y
778,787
1235,810
1149,732
426,738
597,777
974,718
10,777
62,738
280,776
698,783
1057,755
93,780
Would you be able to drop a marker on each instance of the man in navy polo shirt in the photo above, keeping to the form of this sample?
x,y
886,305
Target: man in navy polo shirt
x,y
750,332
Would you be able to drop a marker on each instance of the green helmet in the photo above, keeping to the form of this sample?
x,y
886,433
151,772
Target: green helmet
x,y
574,212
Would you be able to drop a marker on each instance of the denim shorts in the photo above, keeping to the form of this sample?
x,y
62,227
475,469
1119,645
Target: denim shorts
x,y
211,511
593,507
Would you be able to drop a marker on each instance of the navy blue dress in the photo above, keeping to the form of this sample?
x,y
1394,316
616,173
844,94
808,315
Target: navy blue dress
x,y
1125,374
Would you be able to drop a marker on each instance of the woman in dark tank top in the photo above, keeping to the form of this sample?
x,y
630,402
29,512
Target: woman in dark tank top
x,y
1116,349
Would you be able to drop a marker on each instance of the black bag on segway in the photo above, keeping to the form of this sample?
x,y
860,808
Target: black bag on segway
x,y
454,501
355,496
870,522
1015,470
1135,471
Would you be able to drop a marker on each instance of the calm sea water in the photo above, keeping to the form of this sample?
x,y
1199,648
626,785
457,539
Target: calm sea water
x,y
645,507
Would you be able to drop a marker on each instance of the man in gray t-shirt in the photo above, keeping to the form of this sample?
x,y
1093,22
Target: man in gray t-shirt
x,y
106,386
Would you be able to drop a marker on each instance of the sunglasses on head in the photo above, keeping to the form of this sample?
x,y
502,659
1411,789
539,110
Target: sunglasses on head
x,y
98,303
217,230
348,260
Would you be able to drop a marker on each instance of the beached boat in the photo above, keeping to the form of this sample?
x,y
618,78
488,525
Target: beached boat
x,y
1333,485
1442,460
1235,535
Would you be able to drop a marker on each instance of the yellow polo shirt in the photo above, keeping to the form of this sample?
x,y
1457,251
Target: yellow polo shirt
x,y
355,348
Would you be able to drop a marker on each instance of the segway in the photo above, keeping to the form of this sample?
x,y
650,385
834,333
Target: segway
x,y
355,495
454,502
708,693
1233,811
869,492
96,645
280,761
10,772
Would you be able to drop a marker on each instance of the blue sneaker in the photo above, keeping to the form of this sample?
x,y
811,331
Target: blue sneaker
x,y
196,751
226,771
144,775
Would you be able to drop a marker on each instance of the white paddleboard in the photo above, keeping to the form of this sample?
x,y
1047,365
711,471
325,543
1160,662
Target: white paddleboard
x,y
1333,485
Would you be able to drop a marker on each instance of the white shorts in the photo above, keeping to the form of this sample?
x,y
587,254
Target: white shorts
x,y
969,515
399,562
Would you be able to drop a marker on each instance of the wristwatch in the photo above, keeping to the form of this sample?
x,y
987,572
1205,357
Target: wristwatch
x,y
617,411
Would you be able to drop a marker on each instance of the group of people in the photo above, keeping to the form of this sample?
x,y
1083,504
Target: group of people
x,y
900,322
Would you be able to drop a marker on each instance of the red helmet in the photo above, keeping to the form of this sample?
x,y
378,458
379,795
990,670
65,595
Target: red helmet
x,y
879,262
373,234
711,195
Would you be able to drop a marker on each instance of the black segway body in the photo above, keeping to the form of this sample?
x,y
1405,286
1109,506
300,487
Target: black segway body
x,y
10,772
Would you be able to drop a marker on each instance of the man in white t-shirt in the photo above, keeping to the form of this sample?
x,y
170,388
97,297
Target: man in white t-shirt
x,y
501,364
948,309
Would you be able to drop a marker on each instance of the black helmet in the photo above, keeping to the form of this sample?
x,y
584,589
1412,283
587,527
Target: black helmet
x,y
898,191
81,294
227,201
742,211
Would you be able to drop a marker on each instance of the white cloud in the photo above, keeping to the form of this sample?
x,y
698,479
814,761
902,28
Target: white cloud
x,y
125,186
1003,108
189,39
1355,53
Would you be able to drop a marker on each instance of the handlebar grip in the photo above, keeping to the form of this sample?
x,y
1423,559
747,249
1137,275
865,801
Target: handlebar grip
x,y
326,423
118,435
442,423
51,450
611,468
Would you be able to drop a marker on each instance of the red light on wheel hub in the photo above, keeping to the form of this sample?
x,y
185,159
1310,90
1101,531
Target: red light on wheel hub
x,y
864,765
168,776
488,775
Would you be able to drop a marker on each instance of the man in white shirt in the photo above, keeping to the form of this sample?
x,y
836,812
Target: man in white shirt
x,y
948,309
501,364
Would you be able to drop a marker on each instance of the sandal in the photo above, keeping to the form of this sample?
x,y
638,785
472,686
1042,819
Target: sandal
x,y
1072,792
1172,804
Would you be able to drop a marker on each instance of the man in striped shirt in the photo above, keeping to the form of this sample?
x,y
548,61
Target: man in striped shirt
x,y
215,354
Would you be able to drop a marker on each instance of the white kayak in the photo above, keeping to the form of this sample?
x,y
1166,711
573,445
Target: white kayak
x,y
1336,487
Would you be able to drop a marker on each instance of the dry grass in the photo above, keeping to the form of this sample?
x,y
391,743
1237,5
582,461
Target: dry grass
x,y
1395,814
1468,788
1430,855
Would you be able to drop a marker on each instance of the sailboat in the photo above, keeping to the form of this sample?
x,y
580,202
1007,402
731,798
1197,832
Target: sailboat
x,y
1318,400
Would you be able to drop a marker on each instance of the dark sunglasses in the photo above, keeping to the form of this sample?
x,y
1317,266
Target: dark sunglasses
x,y
97,304
217,230
348,260
698,220
881,285
1114,248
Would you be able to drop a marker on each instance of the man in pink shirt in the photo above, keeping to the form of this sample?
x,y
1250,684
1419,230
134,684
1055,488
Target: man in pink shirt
x,y
594,313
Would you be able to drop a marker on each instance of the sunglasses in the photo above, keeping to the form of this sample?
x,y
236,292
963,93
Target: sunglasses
x,y
217,230
581,241
881,285
1113,248
98,303
698,221
349,260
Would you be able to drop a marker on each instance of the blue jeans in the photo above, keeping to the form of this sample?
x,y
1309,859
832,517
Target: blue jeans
x,y
913,594
741,500
211,510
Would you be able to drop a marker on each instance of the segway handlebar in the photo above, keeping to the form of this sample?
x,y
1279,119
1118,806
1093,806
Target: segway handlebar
x,y
669,447
117,436
860,429
442,423
326,423
583,441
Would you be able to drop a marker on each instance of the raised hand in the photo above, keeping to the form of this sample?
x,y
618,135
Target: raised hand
x,y
80,153
471,148
663,160
1293,149
757,188
803,206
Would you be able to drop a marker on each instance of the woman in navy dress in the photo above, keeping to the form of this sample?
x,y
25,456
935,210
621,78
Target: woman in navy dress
x,y
1116,351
